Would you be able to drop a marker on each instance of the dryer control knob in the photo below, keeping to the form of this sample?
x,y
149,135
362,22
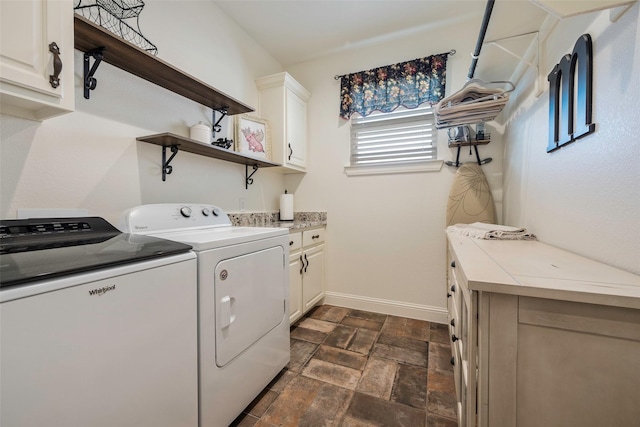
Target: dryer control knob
x,y
205,211
215,211
185,211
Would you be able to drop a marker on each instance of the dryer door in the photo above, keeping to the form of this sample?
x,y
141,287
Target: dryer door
x,y
250,300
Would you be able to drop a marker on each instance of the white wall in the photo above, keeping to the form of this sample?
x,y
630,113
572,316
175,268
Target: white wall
x,y
385,238
584,197
90,159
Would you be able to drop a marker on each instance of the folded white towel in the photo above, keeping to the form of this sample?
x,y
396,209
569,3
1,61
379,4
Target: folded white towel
x,y
481,230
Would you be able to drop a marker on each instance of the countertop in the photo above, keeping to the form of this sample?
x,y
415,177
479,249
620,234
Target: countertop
x,y
301,220
536,269
298,225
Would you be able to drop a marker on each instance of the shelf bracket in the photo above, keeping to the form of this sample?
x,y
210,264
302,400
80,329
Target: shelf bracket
x,y
248,179
166,169
216,124
89,81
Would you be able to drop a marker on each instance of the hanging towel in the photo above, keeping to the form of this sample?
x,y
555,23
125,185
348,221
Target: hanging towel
x,y
481,230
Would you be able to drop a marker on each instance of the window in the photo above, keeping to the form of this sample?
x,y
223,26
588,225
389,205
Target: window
x,y
400,141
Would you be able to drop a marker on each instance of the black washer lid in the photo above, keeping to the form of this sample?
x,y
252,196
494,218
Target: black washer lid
x,y
45,248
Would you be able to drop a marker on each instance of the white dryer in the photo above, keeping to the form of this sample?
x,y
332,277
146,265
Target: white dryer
x,y
243,307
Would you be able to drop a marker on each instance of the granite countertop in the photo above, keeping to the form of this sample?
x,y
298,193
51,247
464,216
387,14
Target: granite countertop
x,y
301,220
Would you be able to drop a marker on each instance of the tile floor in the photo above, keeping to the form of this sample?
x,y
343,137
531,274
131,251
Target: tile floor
x,y
352,368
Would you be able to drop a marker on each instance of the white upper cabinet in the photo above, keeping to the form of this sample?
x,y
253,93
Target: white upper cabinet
x,y
283,101
28,85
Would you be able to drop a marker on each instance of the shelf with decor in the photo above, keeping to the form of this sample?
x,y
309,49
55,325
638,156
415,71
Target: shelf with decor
x,y
176,143
104,45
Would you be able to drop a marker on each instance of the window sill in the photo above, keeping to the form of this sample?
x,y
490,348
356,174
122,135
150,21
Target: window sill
x,y
428,166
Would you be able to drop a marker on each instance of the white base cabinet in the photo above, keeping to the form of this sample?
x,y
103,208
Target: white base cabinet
x,y
306,271
283,101
542,337
27,30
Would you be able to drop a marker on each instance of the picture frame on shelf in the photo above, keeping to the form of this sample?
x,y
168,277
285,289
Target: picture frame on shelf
x,y
253,136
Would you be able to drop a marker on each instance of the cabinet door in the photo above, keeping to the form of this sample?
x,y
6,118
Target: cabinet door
x,y
295,286
313,280
296,134
28,27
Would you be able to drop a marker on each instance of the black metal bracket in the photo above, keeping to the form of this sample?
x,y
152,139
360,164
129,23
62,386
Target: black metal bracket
x,y
248,179
166,169
457,162
90,82
216,123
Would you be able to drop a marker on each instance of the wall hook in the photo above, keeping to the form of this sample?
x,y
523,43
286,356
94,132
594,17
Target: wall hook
x,y
457,162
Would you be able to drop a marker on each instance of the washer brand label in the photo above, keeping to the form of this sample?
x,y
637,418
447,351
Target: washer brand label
x,y
102,291
140,227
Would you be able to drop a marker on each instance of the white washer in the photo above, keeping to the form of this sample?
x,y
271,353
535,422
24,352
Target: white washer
x,y
243,307
97,328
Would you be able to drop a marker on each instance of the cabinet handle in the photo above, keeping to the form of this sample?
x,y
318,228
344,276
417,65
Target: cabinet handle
x,y
454,338
317,236
54,79
453,361
305,267
301,264
448,295
453,322
453,288
290,151
453,264
291,243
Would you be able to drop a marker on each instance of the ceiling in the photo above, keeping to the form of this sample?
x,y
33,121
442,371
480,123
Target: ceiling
x,y
295,31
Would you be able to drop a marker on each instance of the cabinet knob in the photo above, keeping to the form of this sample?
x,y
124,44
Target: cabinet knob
x,y
453,288
453,361
448,295
453,322
453,264
454,338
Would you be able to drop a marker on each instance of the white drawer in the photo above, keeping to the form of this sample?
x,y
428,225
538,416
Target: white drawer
x,y
312,237
295,241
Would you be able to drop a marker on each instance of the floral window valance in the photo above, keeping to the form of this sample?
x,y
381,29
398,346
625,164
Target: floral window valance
x,y
408,84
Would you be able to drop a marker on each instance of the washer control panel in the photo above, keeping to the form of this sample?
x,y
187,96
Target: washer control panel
x,y
169,216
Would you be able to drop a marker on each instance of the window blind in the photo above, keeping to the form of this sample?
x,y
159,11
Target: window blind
x,y
400,137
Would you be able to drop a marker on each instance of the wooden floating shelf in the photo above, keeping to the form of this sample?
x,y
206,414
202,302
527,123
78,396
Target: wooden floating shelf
x,y
130,58
191,146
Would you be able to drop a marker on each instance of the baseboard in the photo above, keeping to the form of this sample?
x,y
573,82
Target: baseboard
x,y
395,308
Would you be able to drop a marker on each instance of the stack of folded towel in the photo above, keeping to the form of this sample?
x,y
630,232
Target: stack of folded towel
x,y
481,230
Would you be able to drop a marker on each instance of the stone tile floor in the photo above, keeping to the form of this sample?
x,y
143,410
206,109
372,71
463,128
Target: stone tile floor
x,y
352,368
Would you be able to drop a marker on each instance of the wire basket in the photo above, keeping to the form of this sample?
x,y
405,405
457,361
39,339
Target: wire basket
x,y
122,9
110,15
